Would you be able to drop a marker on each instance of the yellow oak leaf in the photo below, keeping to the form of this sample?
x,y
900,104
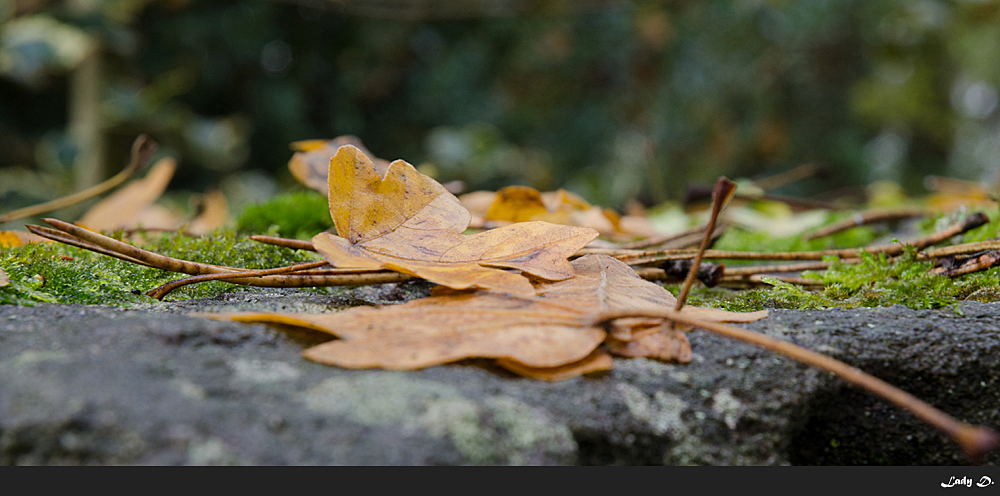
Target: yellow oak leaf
x,y
312,160
407,222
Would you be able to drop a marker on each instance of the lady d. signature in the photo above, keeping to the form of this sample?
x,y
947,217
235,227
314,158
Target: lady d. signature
x,y
967,482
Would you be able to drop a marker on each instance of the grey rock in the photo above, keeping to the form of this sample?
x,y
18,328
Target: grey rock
x,y
154,386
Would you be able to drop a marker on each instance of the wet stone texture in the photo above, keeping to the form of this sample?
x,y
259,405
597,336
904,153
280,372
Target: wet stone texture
x,y
152,385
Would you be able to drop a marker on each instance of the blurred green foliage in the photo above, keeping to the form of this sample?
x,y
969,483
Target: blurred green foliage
x,y
615,100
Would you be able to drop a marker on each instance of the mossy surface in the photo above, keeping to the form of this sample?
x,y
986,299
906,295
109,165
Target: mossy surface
x,y
53,272
299,215
57,273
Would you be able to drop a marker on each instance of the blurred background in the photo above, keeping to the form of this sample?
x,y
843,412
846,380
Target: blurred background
x,y
616,100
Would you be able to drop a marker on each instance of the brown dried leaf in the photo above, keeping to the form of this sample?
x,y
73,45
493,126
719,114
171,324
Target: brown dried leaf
x,y
524,203
549,336
124,207
670,344
213,213
409,223
598,361
312,162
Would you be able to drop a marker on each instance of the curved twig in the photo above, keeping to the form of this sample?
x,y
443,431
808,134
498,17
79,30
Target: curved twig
x,y
142,151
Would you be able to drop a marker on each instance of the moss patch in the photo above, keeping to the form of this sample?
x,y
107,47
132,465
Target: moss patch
x,y
298,215
57,273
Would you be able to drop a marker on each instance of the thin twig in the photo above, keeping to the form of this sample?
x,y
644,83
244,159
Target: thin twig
x,y
974,263
867,217
971,222
790,176
962,249
142,150
161,291
775,269
974,440
723,191
295,244
161,261
690,236
150,258
329,277
55,235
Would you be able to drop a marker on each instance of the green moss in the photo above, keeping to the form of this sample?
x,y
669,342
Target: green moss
x,y
873,282
737,239
57,273
299,215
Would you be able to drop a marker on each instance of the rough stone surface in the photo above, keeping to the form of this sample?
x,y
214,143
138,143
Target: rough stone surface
x,y
152,385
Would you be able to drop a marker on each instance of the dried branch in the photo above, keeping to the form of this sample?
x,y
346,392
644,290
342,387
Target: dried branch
x,y
735,272
971,222
959,266
721,194
86,239
962,249
295,244
163,290
790,176
867,217
686,238
62,237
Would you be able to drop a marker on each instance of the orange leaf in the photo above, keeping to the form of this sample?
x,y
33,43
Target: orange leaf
x,y
312,162
214,212
550,336
599,360
524,203
407,222
124,207
11,239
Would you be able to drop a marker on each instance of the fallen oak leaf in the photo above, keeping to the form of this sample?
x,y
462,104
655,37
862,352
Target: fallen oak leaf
x,y
311,162
550,336
524,203
596,361
125,207
409,223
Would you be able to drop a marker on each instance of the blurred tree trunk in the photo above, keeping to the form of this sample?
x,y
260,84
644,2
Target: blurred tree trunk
x,y
85,123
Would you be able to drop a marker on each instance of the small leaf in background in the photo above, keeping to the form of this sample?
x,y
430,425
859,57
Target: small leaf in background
x,y
311,164
11,239
409,223
524,203
4,280
550,336
133,203
134,206
213,213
